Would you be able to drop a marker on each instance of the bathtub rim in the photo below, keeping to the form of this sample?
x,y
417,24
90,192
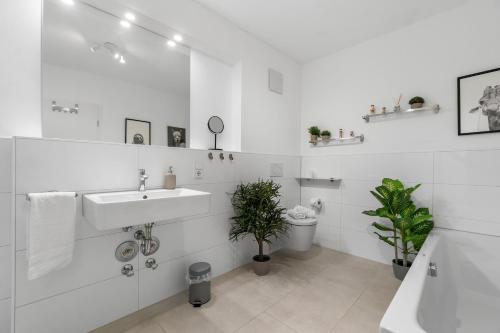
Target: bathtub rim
x,y
401,315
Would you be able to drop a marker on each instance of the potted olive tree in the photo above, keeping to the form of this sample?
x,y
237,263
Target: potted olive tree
x,y
416,102
258,213
408,225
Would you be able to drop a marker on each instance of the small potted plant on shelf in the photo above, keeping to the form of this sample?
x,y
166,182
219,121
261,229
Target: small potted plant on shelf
x,y
258,213
408,227
416,102
326,135
315,132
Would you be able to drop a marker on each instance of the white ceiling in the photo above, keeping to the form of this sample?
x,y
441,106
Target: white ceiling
x,y
308,29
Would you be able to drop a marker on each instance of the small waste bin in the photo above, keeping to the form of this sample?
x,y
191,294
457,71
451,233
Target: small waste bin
x,y
199,283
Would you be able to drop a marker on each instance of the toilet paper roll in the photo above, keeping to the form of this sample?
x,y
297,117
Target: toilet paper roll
x,y
316,203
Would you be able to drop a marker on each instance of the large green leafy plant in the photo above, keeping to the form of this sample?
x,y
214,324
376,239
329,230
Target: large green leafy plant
x,y
409,225
258,213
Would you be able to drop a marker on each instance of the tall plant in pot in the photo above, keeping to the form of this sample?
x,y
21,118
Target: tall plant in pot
x,y
258,213
408,227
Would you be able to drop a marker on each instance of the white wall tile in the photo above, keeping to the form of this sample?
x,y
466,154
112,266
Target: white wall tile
x,y
5,165
80,310
44,165
326,191
189,236
5,218
470,225
221,195
321,167
356,192
165,281
5,315
409,167
94,260
329,220
467,202
220,258
352,218
468,167
366,245
5,272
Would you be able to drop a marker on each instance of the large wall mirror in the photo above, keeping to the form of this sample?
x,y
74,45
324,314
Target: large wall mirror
x,y
109,74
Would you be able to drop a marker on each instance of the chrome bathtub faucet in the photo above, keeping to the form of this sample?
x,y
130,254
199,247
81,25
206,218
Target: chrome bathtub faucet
x,y
142,179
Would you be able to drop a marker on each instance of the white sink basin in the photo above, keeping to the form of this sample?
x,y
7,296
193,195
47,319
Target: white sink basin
x,y
122,209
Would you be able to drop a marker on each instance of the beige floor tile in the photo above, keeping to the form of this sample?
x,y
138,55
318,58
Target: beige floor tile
x,y
265,324
147,327
315,308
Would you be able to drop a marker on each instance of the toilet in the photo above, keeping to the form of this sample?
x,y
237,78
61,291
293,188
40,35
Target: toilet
x,y
301,234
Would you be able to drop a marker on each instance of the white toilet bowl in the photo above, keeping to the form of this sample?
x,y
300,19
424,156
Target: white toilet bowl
x,y
301,234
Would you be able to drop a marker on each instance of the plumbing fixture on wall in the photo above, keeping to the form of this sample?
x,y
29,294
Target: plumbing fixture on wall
x,y
231,157
148,243
65,109
151,263
210,156
128,270
221,156
126,251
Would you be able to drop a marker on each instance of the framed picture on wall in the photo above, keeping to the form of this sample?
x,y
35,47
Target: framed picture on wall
x,y
137,132
176,137
479,102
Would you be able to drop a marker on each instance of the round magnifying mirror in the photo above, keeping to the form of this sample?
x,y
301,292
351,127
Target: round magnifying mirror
x,y
216,126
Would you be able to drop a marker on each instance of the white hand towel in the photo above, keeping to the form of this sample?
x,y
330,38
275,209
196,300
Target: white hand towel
x,y
50,232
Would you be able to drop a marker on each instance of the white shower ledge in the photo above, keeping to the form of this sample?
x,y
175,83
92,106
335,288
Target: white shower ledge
x,y
114,210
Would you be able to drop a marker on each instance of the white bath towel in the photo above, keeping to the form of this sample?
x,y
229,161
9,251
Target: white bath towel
x,y
301,212
50,232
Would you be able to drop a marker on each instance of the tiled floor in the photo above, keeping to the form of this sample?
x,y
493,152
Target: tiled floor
x,y
321,291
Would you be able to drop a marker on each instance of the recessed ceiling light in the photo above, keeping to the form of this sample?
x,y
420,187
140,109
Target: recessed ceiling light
x,y
117,55
129,16
68,2
171,43
125,24
178,38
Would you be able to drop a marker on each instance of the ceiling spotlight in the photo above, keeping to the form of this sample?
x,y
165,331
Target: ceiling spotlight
x,y
129,16
125,24
122,60
178,38
117,55
171,43
95,48
68,2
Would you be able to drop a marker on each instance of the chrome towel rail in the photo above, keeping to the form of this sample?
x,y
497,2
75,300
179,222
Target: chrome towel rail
x,y
28,195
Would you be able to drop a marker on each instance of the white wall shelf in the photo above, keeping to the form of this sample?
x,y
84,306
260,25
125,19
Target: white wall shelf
x,y
393,114
318,179
338,141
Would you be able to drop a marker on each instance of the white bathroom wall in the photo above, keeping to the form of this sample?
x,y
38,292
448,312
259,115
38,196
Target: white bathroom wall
x,y
212,94
20,23
423,59
116,100
5,234
460,187
458,175
94,275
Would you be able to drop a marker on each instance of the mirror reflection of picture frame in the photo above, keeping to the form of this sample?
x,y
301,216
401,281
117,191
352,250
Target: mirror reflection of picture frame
x,y
137,132
176,137
479,102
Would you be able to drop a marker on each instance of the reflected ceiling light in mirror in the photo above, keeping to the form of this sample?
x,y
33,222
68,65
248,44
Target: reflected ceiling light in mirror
x,y
122,60
178,38
129,16
171,43
125,24
68,2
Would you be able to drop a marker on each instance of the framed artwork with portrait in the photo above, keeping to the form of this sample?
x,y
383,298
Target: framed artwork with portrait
x,y
479,102
137,132
176,137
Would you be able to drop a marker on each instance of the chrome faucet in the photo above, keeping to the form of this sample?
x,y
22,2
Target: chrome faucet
x,y
142,179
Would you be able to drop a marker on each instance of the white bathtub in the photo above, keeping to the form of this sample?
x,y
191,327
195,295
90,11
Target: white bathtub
x,y
463,297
